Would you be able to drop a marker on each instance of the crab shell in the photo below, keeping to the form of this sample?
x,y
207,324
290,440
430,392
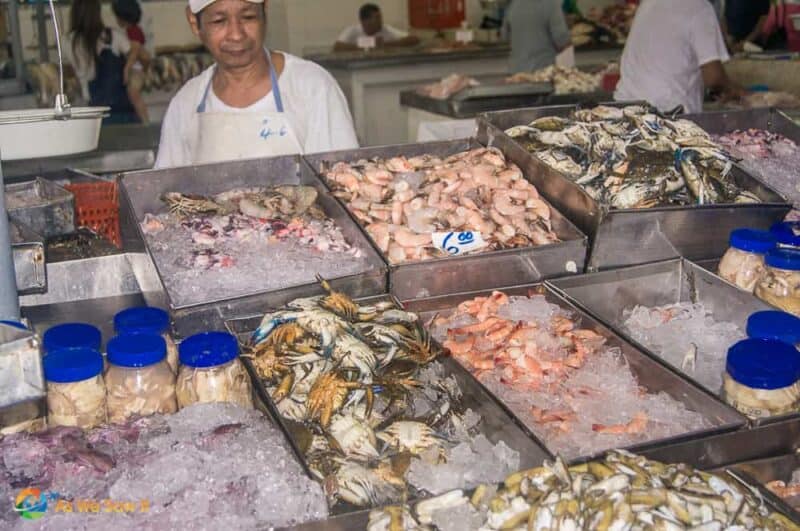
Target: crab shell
x,y
414,437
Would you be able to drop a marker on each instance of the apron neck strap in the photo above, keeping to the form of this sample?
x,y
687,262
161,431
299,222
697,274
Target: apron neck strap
x,y
273,77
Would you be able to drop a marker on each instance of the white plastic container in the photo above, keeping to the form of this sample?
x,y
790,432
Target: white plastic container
x,y
37,133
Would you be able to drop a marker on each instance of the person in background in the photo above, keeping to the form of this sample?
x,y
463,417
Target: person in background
x,y
675,49
744,20
253,102
371,25
129,14
98,55
538,32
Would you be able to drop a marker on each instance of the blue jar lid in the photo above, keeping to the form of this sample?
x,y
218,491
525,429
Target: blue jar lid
x,y
143,320
208,349
752,241
72,365
72,335
763,363
136,350
788,259
787,232
774,324
15,324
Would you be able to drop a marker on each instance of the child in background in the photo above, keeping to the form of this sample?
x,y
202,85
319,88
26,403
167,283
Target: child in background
x,y
128,15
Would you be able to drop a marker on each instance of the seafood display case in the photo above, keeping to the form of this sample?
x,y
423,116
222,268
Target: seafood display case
x,y
495,422
629,236
777,476
44,206
441,276
651,376
768,119
142,192
613,296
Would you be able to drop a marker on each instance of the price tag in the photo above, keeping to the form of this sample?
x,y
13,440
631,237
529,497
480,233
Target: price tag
x,y
465,36
458,243
366,43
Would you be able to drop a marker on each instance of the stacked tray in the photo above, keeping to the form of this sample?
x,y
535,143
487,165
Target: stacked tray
x,y
483,270
142,190
623,237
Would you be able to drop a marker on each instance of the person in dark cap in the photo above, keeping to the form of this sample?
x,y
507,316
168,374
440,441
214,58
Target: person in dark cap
x,y
129,14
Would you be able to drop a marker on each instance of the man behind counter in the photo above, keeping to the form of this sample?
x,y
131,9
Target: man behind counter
x,y
371,25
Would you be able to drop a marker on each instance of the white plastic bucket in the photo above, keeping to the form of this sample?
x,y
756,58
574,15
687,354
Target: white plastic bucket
x,y
36,133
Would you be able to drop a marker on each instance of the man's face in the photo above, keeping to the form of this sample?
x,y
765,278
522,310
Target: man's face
x,y
232,30
372,24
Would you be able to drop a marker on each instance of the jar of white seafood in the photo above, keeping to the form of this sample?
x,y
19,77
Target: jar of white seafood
x,y
211,371
762,378
773,324
148,320
743,262
76,393
780,283
787,233
138,380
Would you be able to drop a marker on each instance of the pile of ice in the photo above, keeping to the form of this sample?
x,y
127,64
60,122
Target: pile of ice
x,y
209,466
468,464
686,336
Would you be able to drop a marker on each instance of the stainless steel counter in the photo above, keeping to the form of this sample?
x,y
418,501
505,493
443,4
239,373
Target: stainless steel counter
x,y
382,57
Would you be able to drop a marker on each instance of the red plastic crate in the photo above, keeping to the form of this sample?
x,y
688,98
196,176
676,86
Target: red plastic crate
x,y
436,14
97,207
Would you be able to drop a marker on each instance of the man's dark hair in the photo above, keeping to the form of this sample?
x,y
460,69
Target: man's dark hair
x,y
367,10
127,10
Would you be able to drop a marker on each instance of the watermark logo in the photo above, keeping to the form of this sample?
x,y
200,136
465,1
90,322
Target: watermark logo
x,y
31,503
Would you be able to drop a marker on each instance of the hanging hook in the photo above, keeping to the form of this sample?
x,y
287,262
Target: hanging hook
x,y
62,106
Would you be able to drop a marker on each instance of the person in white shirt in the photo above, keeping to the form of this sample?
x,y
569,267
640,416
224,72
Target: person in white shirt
x,y
674,52
371,25
253,102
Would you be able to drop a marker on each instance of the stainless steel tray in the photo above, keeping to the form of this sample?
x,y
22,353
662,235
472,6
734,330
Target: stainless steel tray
x,y
498,423
141,190
442,276
29,261
769,119
608,294
759,472
484,98
45,207
717,451
630,237
651,375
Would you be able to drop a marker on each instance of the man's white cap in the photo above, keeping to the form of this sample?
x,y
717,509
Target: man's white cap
x,y
198,5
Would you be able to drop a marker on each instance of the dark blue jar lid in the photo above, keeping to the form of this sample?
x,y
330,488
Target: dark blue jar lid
x,y
788,259
136,350
774,324
787,232
72,365
208,349
72,335
764,363
143,320
752,241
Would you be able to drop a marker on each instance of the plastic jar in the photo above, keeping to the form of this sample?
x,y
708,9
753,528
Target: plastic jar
x,y
743,262
780,284
787,233
211,371
762,378
71,335
148,320
773,324
76,394
138,380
